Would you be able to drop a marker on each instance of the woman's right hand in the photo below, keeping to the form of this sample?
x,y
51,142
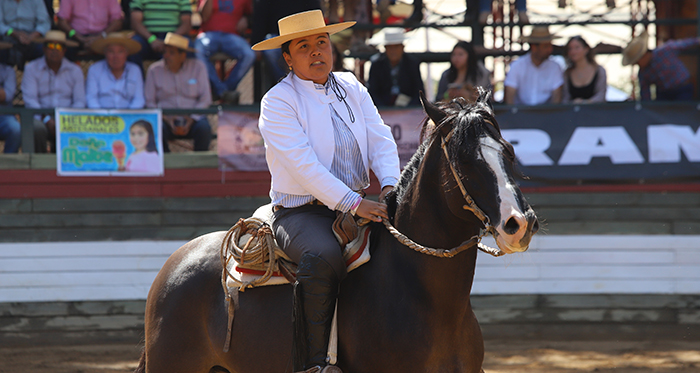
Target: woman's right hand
x,y
371,210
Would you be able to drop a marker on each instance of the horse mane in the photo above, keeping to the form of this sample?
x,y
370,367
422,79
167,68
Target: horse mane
x,y
462,115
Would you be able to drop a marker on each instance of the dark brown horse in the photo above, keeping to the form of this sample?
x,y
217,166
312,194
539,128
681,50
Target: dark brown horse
x,y
404,311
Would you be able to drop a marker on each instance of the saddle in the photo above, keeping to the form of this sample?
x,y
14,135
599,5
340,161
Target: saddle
x,y
251,257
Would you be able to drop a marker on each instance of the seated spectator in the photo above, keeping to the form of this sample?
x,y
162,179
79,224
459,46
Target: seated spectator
x,y
465,73
88,20
584,80
534,78
22,22
486,8
178,82
661,67
221,30
114,83
152,20
394,77
9,126
50,82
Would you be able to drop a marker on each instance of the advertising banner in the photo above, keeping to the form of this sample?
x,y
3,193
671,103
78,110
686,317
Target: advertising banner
x,y
109,142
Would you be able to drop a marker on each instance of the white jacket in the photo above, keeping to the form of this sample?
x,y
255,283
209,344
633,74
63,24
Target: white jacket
x,y
295,122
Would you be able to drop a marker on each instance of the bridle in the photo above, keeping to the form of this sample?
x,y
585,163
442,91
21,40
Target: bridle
x,y
470,206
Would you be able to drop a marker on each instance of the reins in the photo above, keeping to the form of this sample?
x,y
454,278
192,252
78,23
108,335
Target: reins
x,y
470,206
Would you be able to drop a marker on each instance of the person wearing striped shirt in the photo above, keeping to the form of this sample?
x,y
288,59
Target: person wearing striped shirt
x,y
322,136
152,20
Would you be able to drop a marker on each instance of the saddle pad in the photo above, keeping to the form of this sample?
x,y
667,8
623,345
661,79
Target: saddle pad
x,y
356,253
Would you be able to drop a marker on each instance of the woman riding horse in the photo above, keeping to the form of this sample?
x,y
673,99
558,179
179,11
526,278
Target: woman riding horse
x,y
322,135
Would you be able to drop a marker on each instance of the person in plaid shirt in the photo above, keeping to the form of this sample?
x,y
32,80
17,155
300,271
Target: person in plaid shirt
x,y
661,67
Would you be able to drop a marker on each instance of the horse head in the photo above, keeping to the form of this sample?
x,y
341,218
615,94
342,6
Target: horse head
x,y
479,180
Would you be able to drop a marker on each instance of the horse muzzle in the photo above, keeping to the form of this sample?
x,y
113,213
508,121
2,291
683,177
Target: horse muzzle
x,y
514,233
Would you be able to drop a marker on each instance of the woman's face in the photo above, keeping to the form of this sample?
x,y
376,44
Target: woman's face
x,y
459,58
576,51
311,57
138,137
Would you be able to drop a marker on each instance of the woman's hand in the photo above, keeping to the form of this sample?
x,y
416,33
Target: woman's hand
x,y
371,210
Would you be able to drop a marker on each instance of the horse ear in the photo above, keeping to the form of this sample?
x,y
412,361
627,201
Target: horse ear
x,y
484,97
434,113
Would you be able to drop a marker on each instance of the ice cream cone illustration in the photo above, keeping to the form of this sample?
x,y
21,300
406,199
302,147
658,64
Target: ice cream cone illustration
x,y
119,153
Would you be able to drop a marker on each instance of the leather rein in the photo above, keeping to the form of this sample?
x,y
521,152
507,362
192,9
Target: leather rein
x,y
470,206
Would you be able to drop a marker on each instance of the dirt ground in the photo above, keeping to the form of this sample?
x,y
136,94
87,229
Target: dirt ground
x,y
501,356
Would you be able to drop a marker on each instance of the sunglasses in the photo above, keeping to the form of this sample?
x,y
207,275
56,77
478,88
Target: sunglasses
x,y
56,46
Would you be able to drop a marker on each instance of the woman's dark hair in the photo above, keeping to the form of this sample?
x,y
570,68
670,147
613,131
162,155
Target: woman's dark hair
x,y
471,63
590,56
151,146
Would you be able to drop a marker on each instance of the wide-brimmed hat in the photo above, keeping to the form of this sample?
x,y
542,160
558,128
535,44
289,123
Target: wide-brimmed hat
x,y
392,36
57,36
121,38
300,25
635,49
539,34
178,41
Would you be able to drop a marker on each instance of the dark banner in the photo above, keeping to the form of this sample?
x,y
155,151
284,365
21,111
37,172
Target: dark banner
x,y
605,143
614,142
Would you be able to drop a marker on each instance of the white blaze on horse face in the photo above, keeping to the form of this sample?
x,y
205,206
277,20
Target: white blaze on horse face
x,y
508,240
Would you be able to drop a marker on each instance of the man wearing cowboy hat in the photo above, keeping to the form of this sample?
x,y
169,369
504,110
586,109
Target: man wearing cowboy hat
x,y
50,82
534,78
114,83
179,82
661,67
22,22
9,126
394,77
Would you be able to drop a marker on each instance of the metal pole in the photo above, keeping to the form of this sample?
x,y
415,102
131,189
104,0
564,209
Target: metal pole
x,y
26,120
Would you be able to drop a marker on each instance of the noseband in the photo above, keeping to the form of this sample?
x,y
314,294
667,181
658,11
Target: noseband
x,y
470,206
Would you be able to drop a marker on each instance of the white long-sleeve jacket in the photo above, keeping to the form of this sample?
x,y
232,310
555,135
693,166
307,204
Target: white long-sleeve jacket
x,y
295,122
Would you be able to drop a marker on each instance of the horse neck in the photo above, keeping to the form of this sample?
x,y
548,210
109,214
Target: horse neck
x,y
424,216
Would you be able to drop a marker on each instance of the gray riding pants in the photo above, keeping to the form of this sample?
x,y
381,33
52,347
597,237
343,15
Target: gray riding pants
x,y
308,229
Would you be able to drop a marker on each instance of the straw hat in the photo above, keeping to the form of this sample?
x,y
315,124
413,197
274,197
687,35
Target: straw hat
x,y
300,25
539,34
121,38
178,41
392,36
57,36
635,49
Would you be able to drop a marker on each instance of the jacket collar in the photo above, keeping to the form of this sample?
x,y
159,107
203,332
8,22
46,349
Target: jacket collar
x,y
308,89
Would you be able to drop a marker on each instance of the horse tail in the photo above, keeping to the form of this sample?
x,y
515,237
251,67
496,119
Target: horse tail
x,y
142,363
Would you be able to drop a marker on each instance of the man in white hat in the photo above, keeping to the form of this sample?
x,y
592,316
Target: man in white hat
x,y
661,67
50,82
178,82
9,126
394,77
115,83
534,78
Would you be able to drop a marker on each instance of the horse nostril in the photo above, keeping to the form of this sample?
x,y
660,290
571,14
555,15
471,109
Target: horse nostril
x,y
511,226
535,226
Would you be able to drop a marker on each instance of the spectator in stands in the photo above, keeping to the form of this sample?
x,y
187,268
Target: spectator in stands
x,y
152,20
534,78
22,22
465,73
9,126
661,67
179,82
223,23
470,14
394,77
584,80
114,83
486,8
266,13
50,82
88,20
